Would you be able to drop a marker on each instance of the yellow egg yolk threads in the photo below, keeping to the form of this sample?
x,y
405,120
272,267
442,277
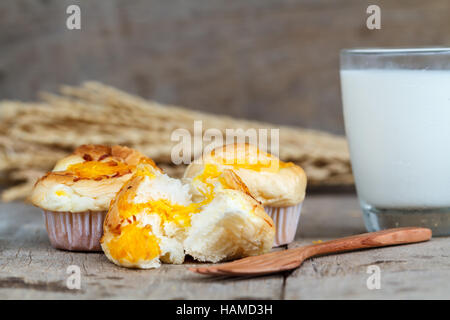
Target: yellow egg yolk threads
x,y
132,241
164,208
210,171
134,244
96,169
261,161
60,193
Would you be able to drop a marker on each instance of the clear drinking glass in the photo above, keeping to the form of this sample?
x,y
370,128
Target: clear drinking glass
x,y
397,120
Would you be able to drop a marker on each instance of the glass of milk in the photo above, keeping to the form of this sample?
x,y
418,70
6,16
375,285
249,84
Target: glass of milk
x,y
397,120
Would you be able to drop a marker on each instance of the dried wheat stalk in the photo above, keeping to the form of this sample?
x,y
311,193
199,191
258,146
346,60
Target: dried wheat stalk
x,y
34,135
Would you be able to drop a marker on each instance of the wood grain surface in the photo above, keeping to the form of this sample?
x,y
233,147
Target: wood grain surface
x,y
30,268
290,259
272,60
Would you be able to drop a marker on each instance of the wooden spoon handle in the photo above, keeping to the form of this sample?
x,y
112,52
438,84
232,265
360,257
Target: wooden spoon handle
x,y
382,238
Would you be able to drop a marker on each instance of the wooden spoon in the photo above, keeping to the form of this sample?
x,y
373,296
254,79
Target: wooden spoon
x,y
292,258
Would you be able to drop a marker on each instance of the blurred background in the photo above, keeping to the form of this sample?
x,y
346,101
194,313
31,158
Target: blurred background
x,y
273,61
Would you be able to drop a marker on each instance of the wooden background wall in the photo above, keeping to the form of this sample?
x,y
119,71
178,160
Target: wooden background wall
x,y
274,60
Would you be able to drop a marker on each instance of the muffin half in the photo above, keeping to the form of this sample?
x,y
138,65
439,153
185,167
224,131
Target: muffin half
x,y
279,186
154,219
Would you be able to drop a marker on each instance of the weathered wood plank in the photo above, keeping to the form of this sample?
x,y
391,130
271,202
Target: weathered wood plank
x,y
31,269
418,271
273,60
330,216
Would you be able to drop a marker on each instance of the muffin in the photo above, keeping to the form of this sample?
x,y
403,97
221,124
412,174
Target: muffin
x,y
154,219
277,185
76,194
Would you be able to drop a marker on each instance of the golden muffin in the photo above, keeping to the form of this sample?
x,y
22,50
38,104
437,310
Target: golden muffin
x,y
279,186
154,219
76,194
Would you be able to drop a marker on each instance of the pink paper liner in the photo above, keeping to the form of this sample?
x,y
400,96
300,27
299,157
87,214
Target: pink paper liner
x,y
75,231
286,221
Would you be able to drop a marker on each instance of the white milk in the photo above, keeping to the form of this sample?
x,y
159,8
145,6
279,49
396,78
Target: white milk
x,y
398,127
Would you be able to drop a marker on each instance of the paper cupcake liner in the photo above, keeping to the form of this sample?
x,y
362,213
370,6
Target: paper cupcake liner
x,y
75,231
286,221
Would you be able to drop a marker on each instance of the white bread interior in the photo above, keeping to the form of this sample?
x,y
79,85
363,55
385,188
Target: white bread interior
x,y
231,225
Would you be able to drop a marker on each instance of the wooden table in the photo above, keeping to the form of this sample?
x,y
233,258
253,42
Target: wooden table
x,y
31,269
